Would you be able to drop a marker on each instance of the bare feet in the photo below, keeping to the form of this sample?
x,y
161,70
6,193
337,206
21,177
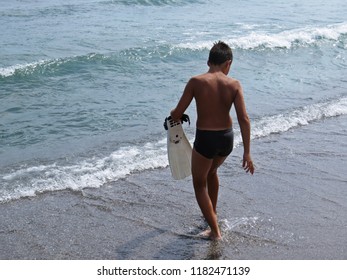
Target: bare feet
x,y
215,237
205,234
209,235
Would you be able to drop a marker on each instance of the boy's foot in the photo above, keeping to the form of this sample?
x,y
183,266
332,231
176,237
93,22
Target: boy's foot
x,y
205,234
209,235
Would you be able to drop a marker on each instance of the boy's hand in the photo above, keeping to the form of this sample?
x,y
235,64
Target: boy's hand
x,y
184,118
247,164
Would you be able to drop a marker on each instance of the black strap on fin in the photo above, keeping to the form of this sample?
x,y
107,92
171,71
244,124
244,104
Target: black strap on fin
x,y
184,118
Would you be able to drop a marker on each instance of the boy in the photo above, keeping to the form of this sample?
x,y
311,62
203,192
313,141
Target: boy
x,y
214,93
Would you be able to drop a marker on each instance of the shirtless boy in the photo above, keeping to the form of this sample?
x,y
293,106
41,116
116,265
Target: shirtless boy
x,y
214,93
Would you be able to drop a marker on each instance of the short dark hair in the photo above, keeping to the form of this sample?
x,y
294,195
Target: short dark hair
x,y
219,53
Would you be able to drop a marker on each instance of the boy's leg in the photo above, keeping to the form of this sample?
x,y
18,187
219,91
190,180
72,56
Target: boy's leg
x,y
200,170
213,181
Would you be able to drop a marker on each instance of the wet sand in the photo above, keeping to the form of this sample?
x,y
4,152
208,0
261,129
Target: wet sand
x,y
294,207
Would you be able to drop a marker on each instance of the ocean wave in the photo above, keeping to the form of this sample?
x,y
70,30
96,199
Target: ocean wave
x,y
45,10
60,9
61,66
286,39
89,173
121,62
152,2
95,172
298,117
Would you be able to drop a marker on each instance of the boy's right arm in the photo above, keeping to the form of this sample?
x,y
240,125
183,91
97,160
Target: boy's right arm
x,y
245,127
184,101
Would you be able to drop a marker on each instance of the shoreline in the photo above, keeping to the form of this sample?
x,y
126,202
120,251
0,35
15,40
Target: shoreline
x,y
293,207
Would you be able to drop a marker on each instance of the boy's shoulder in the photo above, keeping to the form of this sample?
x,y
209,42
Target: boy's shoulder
x,y
197,80
200,80
199,77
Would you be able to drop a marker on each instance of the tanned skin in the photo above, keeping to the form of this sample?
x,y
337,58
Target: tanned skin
x,y
214,93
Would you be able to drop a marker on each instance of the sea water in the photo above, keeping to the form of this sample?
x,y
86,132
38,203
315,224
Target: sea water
x,y
86,85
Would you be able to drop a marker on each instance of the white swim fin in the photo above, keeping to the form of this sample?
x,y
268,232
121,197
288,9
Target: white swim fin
x,y
179,150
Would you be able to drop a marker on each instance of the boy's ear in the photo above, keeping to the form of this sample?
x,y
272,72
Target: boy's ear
x,y
208,63
227,66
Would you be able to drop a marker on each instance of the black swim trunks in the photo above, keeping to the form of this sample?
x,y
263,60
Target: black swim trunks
x,y
211,143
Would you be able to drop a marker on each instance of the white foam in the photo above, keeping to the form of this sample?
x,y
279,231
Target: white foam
x,y
95,172
25,171
29,68
298,117
283,39
11,70
89,173
231,224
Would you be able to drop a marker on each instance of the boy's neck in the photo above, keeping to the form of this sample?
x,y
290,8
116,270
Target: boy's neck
x,y
215,68
223,68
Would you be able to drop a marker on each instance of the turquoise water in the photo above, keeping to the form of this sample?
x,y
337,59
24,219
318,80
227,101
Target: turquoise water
x,y
85,87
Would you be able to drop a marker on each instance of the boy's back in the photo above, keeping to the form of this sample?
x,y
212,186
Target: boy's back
x,y
214,94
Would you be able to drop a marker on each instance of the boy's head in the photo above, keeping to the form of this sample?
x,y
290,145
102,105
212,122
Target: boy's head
x,y
220,53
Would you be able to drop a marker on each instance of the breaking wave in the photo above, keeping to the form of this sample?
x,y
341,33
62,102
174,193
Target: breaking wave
x,y
123,61
151,2
95,172
286,39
